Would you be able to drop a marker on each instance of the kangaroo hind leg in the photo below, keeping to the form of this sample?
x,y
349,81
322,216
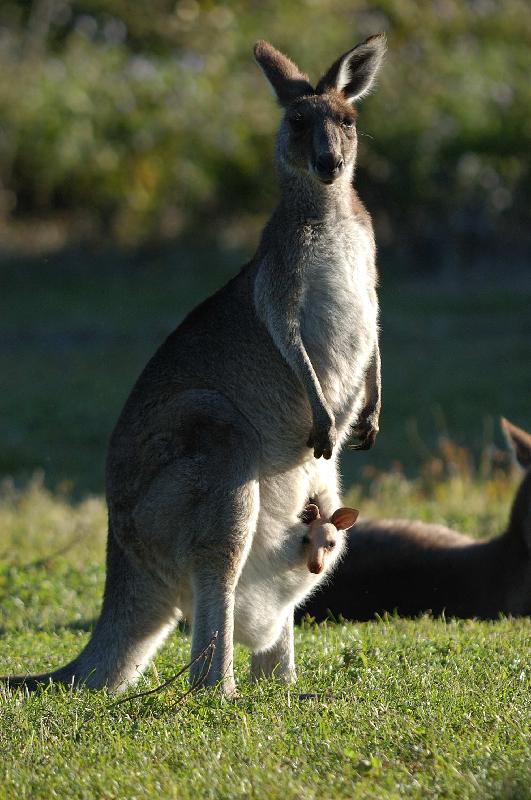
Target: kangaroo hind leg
x,y
226,523
278,660
197,522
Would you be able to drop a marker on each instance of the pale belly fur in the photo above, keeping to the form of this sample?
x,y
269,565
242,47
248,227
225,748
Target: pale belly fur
x,y
339,321
268,588
339,331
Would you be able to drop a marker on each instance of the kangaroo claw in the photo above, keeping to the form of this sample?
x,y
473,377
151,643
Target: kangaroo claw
x,y
322,442
365,432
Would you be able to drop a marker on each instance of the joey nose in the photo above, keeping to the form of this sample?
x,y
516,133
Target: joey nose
x,y
328,166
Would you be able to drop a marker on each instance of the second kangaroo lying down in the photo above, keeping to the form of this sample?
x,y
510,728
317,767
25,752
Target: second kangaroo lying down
x,y
412,567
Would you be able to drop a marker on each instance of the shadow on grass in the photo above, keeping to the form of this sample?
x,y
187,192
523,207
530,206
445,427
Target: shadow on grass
x,y
83,625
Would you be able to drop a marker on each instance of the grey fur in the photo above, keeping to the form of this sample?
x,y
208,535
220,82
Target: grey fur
x,y
209,466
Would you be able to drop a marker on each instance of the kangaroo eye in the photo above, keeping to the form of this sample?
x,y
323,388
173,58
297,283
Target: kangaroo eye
x,y
348,124
330,545
306,539
297,123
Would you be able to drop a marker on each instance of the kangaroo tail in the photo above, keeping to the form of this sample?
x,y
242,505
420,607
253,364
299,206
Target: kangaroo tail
x,y
136,616
66,676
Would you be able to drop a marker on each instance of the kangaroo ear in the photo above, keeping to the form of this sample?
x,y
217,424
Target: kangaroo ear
x,y
354,72
310,513
519,441
344,518
285,77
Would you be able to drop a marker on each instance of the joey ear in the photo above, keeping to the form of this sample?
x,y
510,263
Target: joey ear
x,y
310,513
519,441
285,77
354,72
344,518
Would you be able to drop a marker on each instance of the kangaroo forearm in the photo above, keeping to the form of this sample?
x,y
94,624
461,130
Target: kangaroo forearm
x,y
373,385
322,436
279,311
303,368
366,427
279,315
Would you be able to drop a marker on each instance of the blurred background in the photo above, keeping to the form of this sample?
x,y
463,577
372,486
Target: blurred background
x,y
136,143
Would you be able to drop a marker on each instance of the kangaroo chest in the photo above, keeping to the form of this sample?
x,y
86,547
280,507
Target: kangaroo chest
x,y
338,317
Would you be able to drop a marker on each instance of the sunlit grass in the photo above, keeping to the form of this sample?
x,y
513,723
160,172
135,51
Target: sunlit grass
x,y
451,489
420,709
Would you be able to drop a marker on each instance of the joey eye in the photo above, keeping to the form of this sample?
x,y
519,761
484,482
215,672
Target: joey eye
x,y
330,545
348,124
306,539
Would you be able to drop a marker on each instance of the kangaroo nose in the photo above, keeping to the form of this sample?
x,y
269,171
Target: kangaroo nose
x,y
328,165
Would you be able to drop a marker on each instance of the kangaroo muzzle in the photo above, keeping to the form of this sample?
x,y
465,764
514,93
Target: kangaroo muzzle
x,y
327,167
316,562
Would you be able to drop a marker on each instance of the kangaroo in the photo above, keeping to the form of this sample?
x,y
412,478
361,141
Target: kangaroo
x,y
242,411
298,565
321,545
413,567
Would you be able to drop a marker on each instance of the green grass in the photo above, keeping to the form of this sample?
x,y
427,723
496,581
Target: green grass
x,y
417,709
414,709
408,709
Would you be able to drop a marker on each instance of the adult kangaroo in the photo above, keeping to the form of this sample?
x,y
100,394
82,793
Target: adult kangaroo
x,y
413,567
219,444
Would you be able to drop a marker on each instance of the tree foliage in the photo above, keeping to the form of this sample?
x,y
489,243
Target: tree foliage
x,y
151,115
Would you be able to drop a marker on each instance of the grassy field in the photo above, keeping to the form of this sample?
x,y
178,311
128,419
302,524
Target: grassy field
x,y
417,709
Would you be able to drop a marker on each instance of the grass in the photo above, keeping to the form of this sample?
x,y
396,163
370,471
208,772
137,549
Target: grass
x,y
423,710
403,708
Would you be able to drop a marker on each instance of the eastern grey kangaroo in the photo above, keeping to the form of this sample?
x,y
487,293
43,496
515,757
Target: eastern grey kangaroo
x,y
209,463
412,567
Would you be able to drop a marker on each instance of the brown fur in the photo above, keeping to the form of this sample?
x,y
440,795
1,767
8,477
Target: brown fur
x,y
412,567
285,76
363,60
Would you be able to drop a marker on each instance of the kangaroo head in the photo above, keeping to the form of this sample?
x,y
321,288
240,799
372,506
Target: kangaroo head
x,y
322,540
520,519
317,135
